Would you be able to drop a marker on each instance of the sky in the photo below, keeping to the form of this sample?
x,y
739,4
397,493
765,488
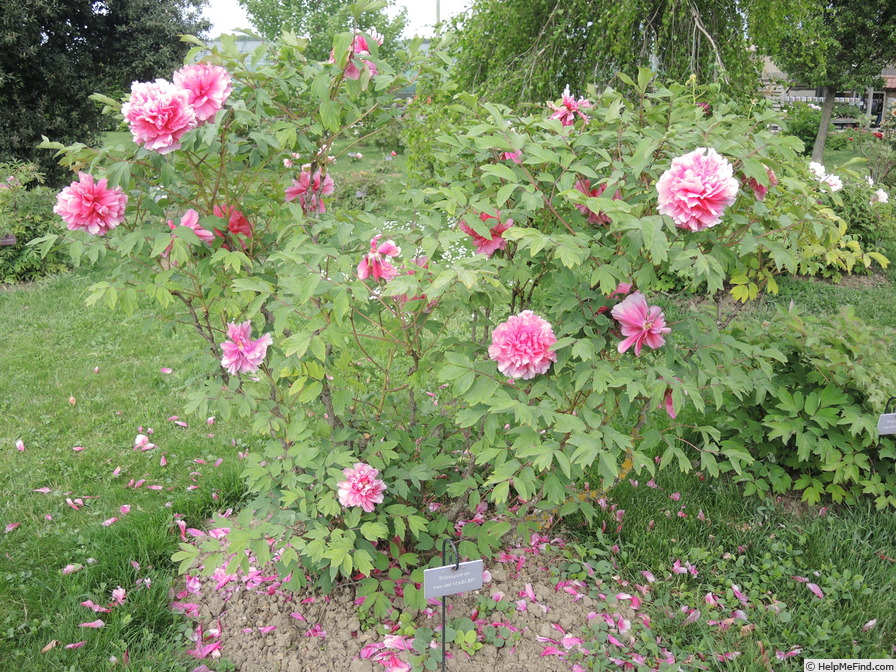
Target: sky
x,y
227,15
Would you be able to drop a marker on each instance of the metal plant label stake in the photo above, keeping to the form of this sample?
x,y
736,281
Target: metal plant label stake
x,y
451,579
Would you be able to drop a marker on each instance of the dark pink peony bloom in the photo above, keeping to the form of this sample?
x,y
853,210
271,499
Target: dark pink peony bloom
x,y
584,185
522,346
568,108
310,189
241,353
361,487
488,246
698,187
90,205
208,87
419,263
639,323
236,220
360,47
159,114
375,262
760,189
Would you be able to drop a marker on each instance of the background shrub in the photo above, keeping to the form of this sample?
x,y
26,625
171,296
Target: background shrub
x,y
29,216
810,418
803,122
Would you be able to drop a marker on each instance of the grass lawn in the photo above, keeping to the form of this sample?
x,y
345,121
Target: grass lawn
x,y
78,386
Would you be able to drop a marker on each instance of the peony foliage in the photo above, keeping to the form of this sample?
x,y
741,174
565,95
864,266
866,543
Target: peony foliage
x,y
403,387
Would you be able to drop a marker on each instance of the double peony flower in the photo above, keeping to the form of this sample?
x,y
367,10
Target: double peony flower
x,y
160,113
361,487
91,206
522,346
698,187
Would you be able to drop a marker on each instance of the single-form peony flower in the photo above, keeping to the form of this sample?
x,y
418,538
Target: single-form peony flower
x,y
309,189
568,108
360,47
696,189
236,220
760,189
159,114
361,487
488,246
880,196
516,157
208,87
584,185
375,262
90,205
640,324
522,346
241,353
190,220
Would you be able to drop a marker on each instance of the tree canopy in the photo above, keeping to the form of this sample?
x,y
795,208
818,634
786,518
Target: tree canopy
x,y
54,53
528,50
321,20
839,45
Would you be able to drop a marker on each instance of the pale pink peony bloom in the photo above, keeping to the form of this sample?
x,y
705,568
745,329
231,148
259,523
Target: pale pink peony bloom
x,y
190,220
241,353
522,346
568,108
584,185
488,246
696,189
640,324
159,114
361,487
309,189
880,196
90,205
375,263
834,182
760,189
208,87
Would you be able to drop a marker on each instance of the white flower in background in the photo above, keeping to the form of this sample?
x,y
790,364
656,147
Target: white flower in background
x,y
880,196
834,182
818,170
870,181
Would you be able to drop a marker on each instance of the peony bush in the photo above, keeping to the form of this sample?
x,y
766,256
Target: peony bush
x,y
461,366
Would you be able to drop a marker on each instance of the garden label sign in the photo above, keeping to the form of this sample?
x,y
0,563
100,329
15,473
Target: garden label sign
x,y
886,423
452,579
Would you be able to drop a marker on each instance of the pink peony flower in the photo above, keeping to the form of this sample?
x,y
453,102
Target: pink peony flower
x,y
639,323
190,220
488,246
584,185
568,108
698,187
159,114
236,220
760,189
522,346
516,157
241,353
361,487
207,86
374,262
90,205
309,189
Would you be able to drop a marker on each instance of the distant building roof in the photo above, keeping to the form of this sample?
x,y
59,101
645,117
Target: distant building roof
x,y
890,81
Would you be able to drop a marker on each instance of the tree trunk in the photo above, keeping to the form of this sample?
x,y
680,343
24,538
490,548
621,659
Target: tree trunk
x,y
868,105
826,110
